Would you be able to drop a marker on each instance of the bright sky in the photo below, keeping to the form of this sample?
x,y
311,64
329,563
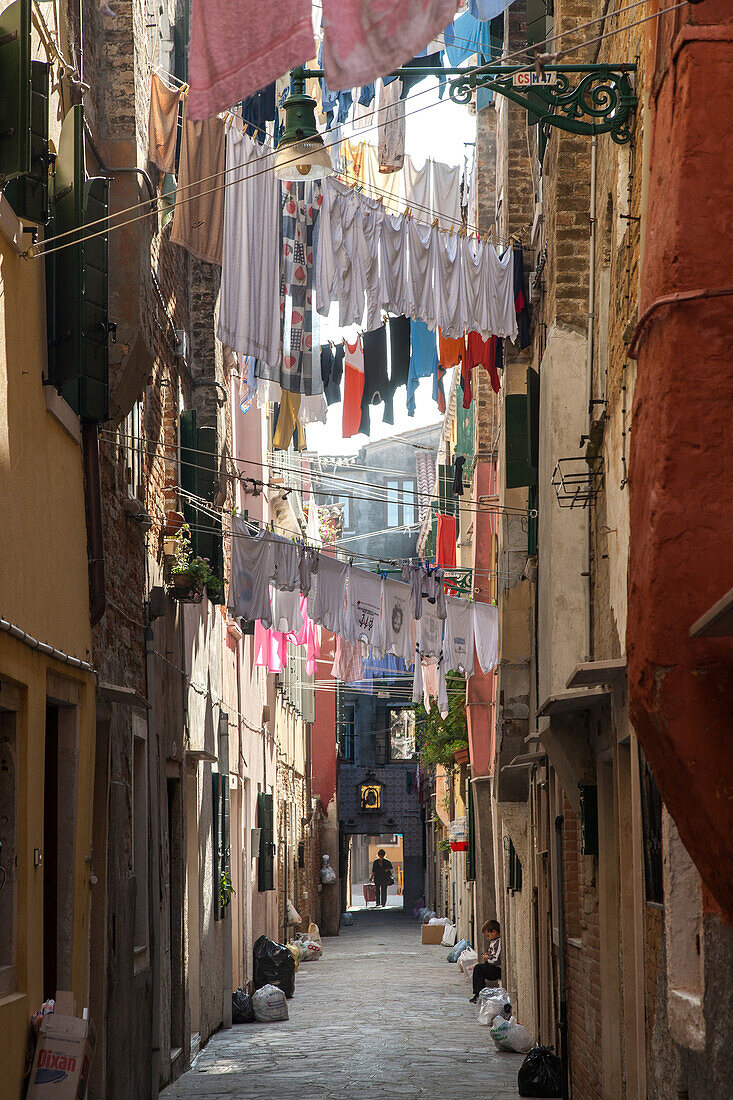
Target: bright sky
x,y
442,131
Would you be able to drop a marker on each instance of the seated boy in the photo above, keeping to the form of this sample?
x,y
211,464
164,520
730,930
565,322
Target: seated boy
x,y
489,970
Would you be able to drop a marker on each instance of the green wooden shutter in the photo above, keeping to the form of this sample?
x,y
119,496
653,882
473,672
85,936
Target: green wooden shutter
x,y
515,868
15,90
77,280
189,471
532,525
533,418
518,470
28,194
471,854
266,862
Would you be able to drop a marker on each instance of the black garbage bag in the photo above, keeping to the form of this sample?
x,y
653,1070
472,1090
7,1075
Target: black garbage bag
x,y
540,1074
273,965
242,1010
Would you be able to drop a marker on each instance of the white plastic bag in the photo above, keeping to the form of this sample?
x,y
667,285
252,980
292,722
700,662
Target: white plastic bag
x,y
293,914
449,936
314,933
429,914
510,1036
467,961
309,950
269,1004
493,1003
440,920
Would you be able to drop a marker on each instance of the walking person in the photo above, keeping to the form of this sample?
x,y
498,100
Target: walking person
x,y
382,877
489,969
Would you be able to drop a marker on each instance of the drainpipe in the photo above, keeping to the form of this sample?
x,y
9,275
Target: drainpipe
x,y
563,1017
154,789
93,513
589,379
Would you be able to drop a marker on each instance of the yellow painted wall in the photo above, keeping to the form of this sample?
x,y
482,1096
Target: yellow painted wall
x,y
43,590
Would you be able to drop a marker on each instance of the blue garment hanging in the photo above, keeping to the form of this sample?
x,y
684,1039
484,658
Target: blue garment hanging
x,y
423,359
465,37
485,10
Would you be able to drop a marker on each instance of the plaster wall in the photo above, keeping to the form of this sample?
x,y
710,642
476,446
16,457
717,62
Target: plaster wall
x,y
518,946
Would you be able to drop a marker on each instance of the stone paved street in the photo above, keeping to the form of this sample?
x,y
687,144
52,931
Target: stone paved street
x,y
378,1016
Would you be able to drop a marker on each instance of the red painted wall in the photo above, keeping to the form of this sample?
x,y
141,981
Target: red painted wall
x,y
681,461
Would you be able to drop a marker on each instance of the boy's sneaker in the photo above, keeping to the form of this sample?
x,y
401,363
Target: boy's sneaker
x,y
474,999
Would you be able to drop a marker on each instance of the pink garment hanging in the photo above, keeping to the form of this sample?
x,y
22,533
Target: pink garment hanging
x,y
364,39
309,635
271,650
348,665
240,46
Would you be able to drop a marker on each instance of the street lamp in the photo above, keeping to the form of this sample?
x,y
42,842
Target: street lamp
x,y
301,154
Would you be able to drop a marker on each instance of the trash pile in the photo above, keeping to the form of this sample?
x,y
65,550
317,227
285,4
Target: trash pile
x,y
275,965
307,946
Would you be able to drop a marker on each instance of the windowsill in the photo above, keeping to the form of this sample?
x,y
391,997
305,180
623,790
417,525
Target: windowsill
x,y
9,999
60,410
573,941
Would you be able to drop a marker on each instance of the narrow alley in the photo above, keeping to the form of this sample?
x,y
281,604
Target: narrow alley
x,y
378,1015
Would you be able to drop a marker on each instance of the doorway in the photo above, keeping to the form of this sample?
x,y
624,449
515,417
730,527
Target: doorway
x,y
193,905
363,851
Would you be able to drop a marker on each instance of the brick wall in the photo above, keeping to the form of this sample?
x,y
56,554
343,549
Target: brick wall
x,y
582,954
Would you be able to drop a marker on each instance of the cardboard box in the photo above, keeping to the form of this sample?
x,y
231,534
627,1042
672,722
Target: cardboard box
x,y
433,933
63,1057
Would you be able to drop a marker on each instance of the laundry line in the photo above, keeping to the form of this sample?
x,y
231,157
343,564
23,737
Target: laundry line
x,y
409,494
34,252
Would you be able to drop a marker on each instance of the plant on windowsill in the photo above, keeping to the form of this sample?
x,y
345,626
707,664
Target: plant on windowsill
x,y
190,575
225,889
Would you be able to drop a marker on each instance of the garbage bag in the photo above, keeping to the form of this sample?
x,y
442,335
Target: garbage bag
x,y
449,936
293,914
459,948
295,952
493,1003
314,933
347,919
445,921
511,1036
429,914
540,1074
467,961
242,1010
269,1004
273,965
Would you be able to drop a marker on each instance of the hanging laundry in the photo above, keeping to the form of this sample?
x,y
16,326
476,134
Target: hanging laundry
x,y
270,648
198,218
458,463
447,195
480,352
423,359
300,370
249,303
502,319
394,264
257,110
363,607
286,614
486,10
239,46
364,107
429,683
286,422
425,584
396,622
163,124
446,541
458,636
348,665
352,154
399,353
521,305
418,183
385,187
286,563
391,127
411,80
328,604
467,36
428,660
486,634
251,572
345,99
353,388
376,380
332,369
424,245
363,40
307,568
451,351
450,303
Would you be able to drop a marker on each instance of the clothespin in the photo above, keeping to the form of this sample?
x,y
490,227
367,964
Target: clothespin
x,y
408,213
450,231
435,223
462,231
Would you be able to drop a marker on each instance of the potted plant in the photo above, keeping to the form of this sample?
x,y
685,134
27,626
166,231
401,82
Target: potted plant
x,y
225,890
191,575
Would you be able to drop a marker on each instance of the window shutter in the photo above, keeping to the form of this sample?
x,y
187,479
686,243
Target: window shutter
x,y
77,280
28,194
518,470
471,854
515,868
189,472
533,418
589,820
209,543
15,90
266,862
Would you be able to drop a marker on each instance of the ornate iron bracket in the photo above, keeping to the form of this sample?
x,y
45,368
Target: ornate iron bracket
x,y
600,102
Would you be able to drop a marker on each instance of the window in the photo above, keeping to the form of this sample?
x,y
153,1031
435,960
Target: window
x,y
346,503
651,819
8,850
140,830
266,861
133,449
402,734
401,507
348,729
